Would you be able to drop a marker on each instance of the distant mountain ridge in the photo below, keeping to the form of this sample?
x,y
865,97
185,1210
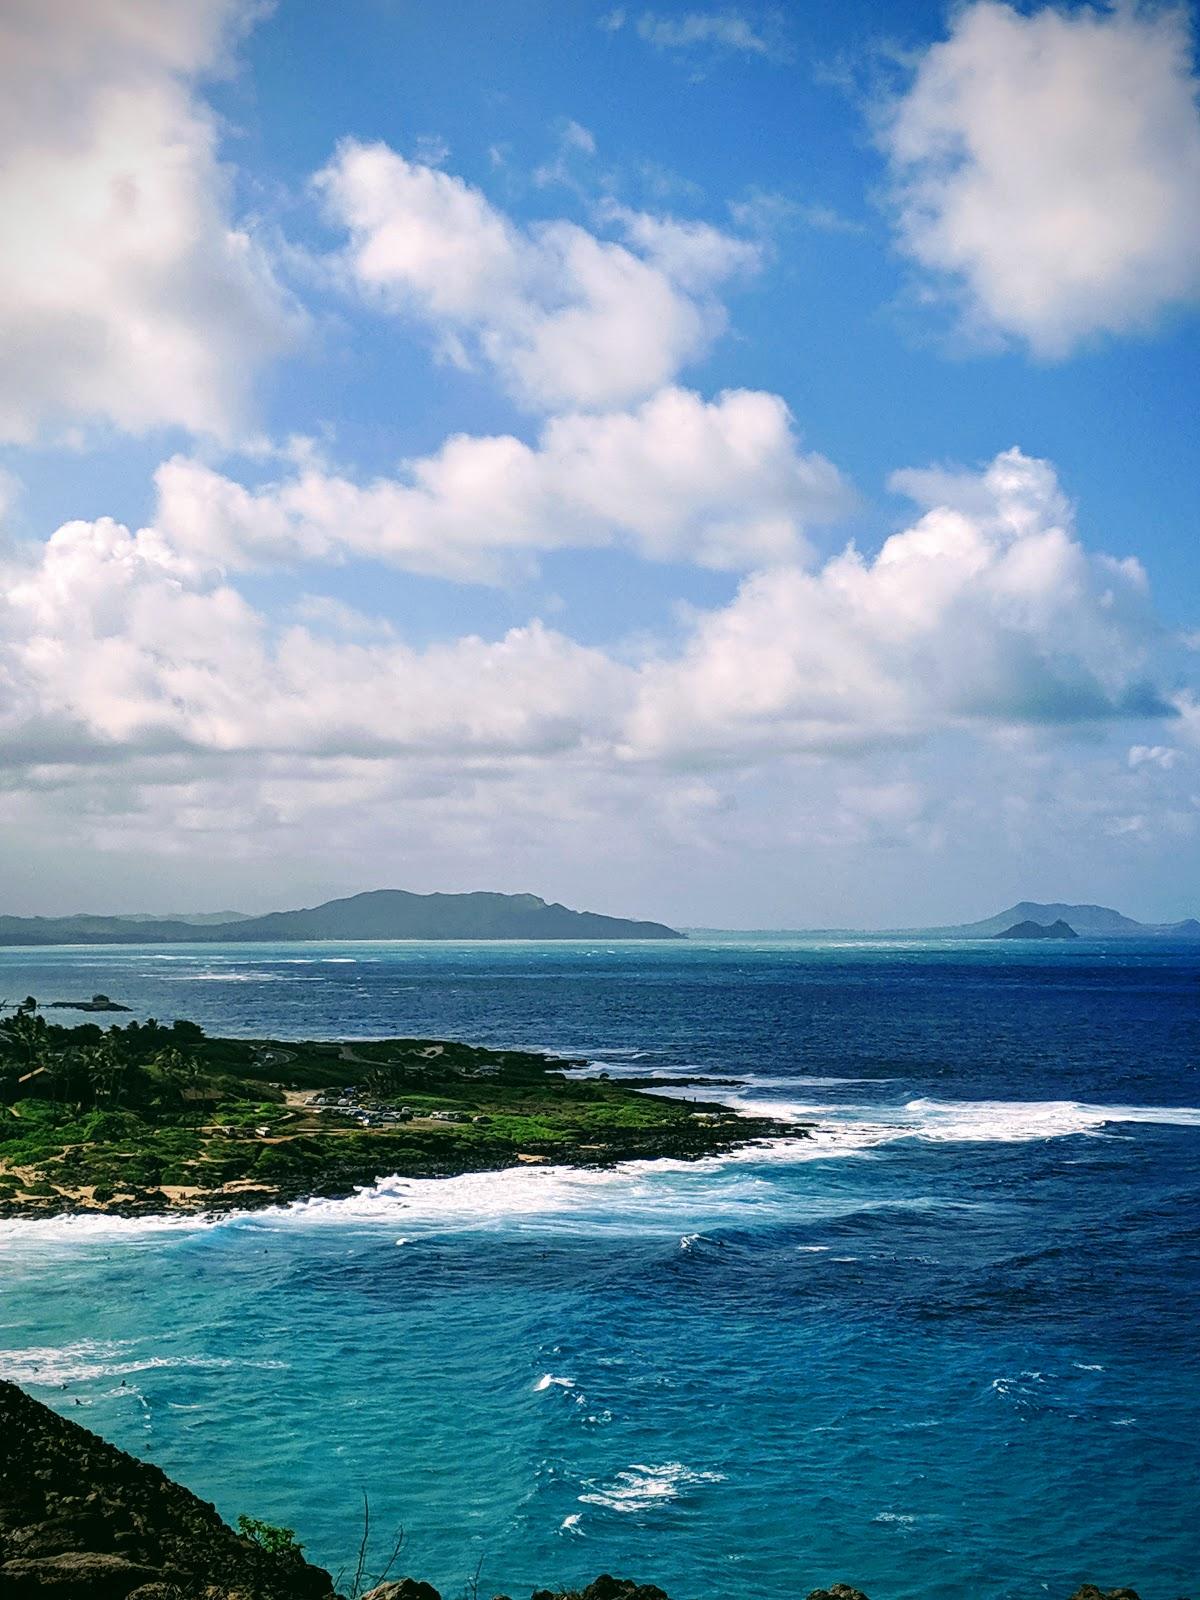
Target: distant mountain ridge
x,y
1038,930
197,919
1089,922
376,914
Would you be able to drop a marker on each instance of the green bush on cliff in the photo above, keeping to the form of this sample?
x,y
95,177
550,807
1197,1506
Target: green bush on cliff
x,y
276,1541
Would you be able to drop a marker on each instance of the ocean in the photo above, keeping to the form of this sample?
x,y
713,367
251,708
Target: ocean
x,y
947,1347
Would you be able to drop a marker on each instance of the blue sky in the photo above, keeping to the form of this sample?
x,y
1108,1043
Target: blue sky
x,y
455,421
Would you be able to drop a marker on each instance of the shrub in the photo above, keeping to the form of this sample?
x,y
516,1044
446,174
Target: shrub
x,y
276,1541
105,1127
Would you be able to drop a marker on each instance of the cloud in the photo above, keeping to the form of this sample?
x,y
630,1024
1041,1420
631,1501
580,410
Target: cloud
x,y
128,295
976,679
719,483
10,491
113,645
566,318
1046,167
1156,755
767,213
987,613
713,30
575,143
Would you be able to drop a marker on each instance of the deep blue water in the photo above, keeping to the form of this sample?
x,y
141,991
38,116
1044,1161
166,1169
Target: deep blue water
x,y
946,1348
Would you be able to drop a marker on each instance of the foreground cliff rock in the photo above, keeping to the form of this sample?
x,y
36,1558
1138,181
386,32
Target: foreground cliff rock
x,y
81,1520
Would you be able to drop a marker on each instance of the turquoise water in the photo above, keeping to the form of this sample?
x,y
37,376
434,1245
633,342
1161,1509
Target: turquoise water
x,y
946,1348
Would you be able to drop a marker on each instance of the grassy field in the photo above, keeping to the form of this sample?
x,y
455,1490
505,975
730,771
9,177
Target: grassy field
x,y
146,1118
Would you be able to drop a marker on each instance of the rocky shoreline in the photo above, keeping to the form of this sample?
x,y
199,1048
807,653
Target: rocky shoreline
x,y
82,1520
146,1120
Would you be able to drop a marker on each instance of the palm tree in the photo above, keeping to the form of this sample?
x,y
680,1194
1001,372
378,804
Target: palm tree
x,y
106,1072
181,1071
25,1031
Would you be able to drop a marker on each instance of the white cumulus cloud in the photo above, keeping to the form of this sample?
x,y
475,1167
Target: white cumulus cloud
x,y
986,613
128,293
1047,166
112,647
566,318
719,483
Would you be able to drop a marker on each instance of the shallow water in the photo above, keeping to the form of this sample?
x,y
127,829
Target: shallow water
x,y
947,1347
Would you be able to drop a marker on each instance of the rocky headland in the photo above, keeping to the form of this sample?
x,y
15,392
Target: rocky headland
x,y
147,1119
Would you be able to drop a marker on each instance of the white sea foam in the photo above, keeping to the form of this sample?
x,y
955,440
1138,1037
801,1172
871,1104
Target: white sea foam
x,y
88,1359
1022,1120
230,977
93,1228
642,1488
548,1380
864,1126
657,1197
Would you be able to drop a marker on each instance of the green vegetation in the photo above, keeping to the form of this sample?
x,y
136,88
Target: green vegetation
x,y
148,1118
276,1541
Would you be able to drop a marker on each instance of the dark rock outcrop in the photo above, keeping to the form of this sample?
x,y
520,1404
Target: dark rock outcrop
x,y
604,1588
1089,1591
840,1591
82,1520
403,1589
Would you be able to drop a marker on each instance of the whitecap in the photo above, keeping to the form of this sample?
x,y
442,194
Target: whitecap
x,y
85,1360
1023,1120
642,1488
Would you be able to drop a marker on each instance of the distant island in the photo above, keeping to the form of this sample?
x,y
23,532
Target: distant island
x,y
1038,930
98,1002
1084,921
377,914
